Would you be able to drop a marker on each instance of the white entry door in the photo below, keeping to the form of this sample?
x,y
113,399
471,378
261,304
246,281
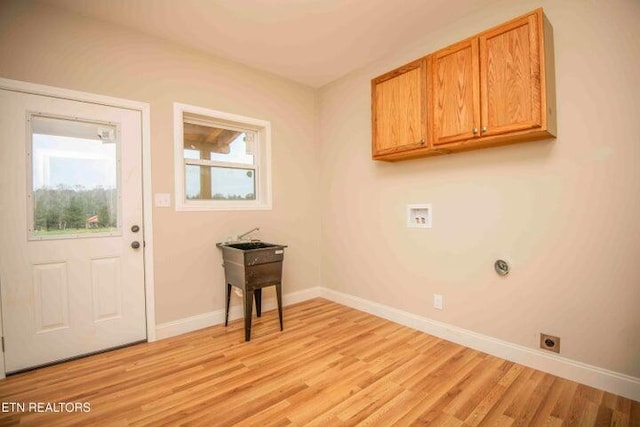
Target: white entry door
x,y
71,261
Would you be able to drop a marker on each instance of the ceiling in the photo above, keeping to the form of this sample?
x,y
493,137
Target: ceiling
x,y
309,41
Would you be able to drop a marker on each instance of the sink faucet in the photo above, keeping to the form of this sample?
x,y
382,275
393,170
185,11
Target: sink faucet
x,y
248,232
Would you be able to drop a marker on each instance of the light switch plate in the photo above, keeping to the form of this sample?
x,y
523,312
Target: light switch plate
x,y
163,200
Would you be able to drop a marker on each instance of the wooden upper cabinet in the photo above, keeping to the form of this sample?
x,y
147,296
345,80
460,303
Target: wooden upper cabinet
x,y
510,75
455,93
492,89
399,109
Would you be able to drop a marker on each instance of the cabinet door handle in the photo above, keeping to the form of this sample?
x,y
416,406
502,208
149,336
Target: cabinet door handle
x,y
474,130
484,129
422,142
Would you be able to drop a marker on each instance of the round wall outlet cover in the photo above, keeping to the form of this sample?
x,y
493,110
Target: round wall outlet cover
x,y
501,266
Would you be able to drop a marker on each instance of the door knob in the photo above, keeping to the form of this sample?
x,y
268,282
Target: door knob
x,y
474,130
135,228
135,244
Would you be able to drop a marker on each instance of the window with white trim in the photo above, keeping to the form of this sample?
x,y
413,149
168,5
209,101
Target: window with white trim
x,y
222,160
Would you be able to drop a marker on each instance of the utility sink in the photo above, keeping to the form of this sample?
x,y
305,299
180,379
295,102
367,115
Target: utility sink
x,y
240,254
251,266
249,245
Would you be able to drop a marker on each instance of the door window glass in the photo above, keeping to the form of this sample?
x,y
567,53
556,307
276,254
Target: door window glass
x,y
74,178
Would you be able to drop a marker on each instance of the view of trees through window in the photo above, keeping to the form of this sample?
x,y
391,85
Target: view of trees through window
x,y
74,178
65,210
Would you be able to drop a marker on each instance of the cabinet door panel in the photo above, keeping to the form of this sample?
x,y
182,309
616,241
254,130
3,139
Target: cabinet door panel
x,y
456,105
398,110
510,77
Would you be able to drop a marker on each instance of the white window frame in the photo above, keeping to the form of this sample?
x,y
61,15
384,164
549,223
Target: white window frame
x,y
262,153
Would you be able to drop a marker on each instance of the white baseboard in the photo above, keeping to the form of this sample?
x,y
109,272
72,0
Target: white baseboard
x,y
189,324
603,379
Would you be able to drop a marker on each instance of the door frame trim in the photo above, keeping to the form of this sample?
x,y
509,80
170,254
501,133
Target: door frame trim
x,y
147,205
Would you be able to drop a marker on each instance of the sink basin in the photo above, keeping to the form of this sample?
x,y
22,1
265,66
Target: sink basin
x,y
243,254
250,245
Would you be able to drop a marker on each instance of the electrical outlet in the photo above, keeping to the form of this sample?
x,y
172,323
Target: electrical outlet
x,y
437,301
549,342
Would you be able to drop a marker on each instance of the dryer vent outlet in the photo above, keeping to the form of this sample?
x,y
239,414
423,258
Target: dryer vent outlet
x,y
549,342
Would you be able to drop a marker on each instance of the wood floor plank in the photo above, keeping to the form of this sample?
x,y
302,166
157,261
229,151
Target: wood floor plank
x,y
389,413
332,365
493,396
435,392
359,405
522,410
517,392
469,396
543,412
563,404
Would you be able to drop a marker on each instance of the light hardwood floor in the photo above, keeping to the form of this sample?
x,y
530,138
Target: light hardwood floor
x,y
332,365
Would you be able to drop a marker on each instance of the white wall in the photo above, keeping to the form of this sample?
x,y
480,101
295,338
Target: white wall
x,y
563,212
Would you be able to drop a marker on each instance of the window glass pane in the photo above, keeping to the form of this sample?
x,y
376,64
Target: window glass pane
x,y
216,183
219,144
239,150
191,154
233,184
74,178
192,182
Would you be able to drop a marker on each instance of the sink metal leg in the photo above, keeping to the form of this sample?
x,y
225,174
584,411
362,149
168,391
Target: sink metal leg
x,y
279,297
226,310
248,308
258,295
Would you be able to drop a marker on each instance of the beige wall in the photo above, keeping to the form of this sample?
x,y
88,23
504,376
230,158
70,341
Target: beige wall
x,y
564,213
42,45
